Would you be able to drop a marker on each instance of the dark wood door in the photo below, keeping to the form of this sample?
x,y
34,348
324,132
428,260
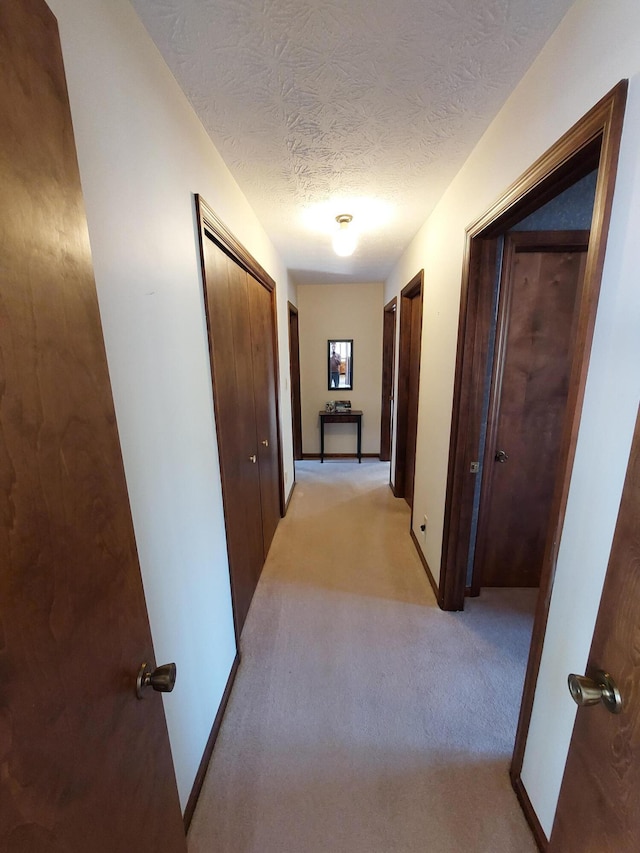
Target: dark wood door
x,y
599,807
227,308
85,764
408,386
542,274
413,388
294,364
264,394
388,369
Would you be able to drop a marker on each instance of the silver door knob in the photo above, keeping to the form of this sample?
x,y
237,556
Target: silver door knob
x,y
501,457
265,441
253,458
162,679
591,691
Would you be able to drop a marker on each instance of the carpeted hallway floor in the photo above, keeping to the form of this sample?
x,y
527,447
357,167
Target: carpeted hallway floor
x,y
364,719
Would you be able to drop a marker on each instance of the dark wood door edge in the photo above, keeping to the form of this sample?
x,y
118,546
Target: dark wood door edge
x,y
294,374
532,818
208,750
593,142
411,290
388,370
286,506
425,564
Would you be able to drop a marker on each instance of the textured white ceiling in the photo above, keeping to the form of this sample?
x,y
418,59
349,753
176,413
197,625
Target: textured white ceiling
x,y
368,107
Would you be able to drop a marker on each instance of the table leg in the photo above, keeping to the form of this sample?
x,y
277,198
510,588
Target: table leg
x,y
359,440
322,439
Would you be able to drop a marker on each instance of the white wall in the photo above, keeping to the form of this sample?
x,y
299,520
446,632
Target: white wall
x,y
340,311
595,46
142,154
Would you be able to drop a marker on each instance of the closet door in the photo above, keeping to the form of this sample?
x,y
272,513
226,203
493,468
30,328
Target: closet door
x,y
230,347
264,394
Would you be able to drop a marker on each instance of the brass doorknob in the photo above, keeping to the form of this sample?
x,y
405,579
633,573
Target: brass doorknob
x,y
590,691
162,679
501,457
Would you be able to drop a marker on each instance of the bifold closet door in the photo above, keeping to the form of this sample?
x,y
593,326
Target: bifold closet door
x,y
228,317
264,394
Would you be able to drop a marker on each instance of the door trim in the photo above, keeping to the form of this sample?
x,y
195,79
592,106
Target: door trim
x,y
411,291
388,370
593,142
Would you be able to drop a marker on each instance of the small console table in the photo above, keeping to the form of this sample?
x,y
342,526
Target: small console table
x,y
352,417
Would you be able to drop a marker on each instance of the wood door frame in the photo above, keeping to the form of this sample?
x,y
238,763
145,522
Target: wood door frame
x,y
553,241
413,290
388,370
592,143
294,373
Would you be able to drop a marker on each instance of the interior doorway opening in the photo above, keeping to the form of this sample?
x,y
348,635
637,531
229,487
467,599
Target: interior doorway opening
x,y
591,145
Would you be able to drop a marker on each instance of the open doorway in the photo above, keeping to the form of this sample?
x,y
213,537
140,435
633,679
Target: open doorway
x,y
592,145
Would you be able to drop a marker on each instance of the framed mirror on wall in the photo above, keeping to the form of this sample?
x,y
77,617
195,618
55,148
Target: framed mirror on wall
x,y
340,364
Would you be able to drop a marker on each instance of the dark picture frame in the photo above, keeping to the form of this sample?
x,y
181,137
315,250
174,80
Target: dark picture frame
x,y
340,364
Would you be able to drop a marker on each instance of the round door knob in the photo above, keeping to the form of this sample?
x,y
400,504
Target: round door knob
x,y
501,457
253,458
591,691
266,442
162,679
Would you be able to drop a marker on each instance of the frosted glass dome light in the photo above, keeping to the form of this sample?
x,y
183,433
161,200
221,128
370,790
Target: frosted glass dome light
x,y
344,240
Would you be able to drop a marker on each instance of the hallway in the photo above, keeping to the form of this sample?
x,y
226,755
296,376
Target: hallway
x,y
363,718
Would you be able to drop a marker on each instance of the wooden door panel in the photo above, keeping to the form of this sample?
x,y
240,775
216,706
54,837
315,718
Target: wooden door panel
x,y
599,807
415,304
227,307
408,385
264,394
388,369
85,763
533,361
294,357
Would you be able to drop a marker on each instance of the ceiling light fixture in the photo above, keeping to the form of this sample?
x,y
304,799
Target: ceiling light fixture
x,y
344,240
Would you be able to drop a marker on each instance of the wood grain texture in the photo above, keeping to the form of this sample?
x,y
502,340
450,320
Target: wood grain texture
x,y
599,808
227,309
413,389
84,763
388,370
264,395
408,382
532,363
243,350
294,370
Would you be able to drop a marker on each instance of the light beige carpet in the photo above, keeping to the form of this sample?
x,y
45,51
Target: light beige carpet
x,y
364,719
